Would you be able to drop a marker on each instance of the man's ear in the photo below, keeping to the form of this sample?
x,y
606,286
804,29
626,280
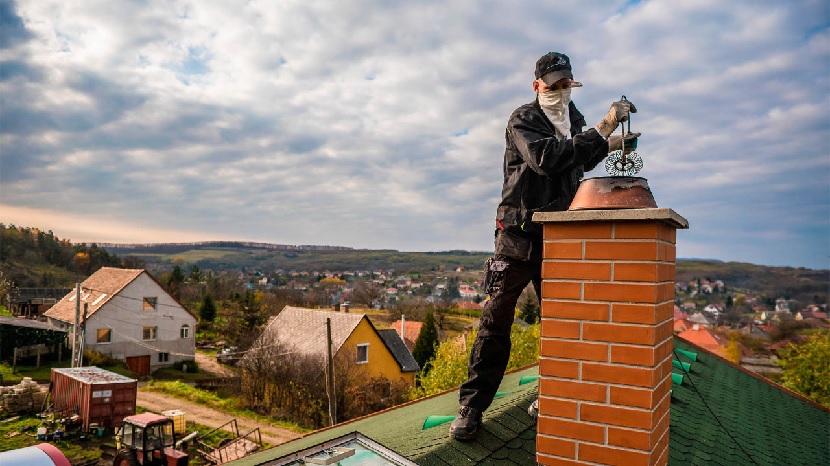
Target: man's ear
x,y
536,86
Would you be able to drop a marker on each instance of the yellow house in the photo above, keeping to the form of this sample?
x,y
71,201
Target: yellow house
x,y
378,352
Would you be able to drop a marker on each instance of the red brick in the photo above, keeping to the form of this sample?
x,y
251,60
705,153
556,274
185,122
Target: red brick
x,y
619,333
575,310
570,429
666,272
635,355
576,270
636,313
635,272
616,416
588,351
573,390
556,446
665,292
667,233
616,374
551,461
556,407
665,312
559,368
634,397
621,250
555,328
621,292
665,252
581,230
628,438
562,250
561,290
635,230
612,456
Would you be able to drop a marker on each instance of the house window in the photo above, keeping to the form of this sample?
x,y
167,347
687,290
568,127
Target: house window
x,y
150,333
150,303
363,353
185,331
104,335
164,357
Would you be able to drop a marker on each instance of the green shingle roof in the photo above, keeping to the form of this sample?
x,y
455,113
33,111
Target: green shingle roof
x,y
767,423
508,436
772,425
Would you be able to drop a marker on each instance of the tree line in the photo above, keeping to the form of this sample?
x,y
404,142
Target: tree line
x,y
28,246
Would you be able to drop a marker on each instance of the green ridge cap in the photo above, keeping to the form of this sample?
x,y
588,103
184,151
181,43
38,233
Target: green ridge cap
x,y
432,421
688,354
677,379
528,379
681,365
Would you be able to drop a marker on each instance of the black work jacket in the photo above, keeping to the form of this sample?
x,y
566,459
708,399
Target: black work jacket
x,y
542,173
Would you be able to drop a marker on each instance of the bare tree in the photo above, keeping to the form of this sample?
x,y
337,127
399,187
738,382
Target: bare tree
x,y
368,293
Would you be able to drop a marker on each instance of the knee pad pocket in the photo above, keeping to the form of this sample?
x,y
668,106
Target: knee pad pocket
x,y
494,275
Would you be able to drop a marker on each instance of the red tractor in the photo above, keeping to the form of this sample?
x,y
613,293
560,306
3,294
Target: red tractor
x,y
148,440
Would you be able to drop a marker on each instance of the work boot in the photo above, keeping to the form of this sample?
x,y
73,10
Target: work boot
x,y
465,426
533,409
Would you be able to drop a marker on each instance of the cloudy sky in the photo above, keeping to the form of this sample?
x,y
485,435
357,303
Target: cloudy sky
x,y
380,124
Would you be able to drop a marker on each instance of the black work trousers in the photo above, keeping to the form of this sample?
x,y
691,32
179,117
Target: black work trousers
x,y
491,349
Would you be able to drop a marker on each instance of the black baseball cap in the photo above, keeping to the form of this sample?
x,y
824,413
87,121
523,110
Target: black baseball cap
x,y
552,67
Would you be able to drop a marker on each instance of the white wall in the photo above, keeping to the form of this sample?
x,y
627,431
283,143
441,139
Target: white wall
x,y
125,315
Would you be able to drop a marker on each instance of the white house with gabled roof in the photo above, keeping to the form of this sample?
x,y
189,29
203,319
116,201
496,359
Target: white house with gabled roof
x,y
131,318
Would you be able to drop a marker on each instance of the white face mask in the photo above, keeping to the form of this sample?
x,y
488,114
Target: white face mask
x,y
555,106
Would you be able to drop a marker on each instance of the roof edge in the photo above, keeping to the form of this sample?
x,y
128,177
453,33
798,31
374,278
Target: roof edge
x,y
756,376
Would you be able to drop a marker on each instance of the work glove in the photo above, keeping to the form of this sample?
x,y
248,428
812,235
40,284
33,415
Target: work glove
x,y
615,142
616,114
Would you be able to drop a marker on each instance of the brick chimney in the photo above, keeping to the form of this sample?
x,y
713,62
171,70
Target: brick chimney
x,y
607,322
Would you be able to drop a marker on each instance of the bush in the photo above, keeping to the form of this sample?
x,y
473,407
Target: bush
x,y
94,358
192,367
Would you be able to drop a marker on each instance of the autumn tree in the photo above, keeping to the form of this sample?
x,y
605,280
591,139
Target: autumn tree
x,y
805,368
448,368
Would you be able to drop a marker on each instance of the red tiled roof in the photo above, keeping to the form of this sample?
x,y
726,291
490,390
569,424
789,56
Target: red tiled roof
x,y
704,338
413,328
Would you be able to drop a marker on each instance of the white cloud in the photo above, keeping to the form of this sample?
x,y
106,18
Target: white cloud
x,y
381,124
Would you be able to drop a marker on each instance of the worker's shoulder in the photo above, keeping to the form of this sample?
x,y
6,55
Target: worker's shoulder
x,y
528,111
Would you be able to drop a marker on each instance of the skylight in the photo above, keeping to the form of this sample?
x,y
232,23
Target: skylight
x,y
349,450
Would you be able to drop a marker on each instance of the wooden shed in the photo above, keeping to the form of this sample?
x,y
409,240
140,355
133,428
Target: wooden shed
x,y
96,395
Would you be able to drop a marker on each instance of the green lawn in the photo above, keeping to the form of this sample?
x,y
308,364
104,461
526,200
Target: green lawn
x,y
44,372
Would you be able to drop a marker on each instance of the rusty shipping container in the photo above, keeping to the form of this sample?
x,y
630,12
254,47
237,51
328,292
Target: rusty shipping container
x,y
96,395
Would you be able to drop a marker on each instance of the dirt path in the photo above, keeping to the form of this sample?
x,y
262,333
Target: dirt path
x,y
209,364
159,402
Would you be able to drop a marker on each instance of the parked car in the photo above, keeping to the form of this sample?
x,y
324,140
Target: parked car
x,y
229,355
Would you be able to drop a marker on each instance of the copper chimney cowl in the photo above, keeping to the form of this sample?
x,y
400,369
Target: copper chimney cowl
x,y
613,192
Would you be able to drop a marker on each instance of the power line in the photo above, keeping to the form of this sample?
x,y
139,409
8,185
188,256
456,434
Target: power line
x,y
700,395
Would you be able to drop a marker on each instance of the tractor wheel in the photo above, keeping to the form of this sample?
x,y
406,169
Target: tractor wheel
x,y
125,458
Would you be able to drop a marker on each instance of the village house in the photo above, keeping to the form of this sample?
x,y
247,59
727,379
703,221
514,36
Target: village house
x,y
303,331
128,316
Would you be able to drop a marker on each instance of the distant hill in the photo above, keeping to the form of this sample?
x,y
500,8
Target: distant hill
x,y
232,255
33,258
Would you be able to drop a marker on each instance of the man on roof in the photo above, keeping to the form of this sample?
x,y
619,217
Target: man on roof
x,y
546,153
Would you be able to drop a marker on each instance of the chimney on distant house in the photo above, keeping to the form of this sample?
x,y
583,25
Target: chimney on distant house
x,y
607,323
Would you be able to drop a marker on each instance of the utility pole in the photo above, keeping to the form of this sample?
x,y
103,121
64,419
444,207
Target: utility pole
x,y
330,376
77,324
